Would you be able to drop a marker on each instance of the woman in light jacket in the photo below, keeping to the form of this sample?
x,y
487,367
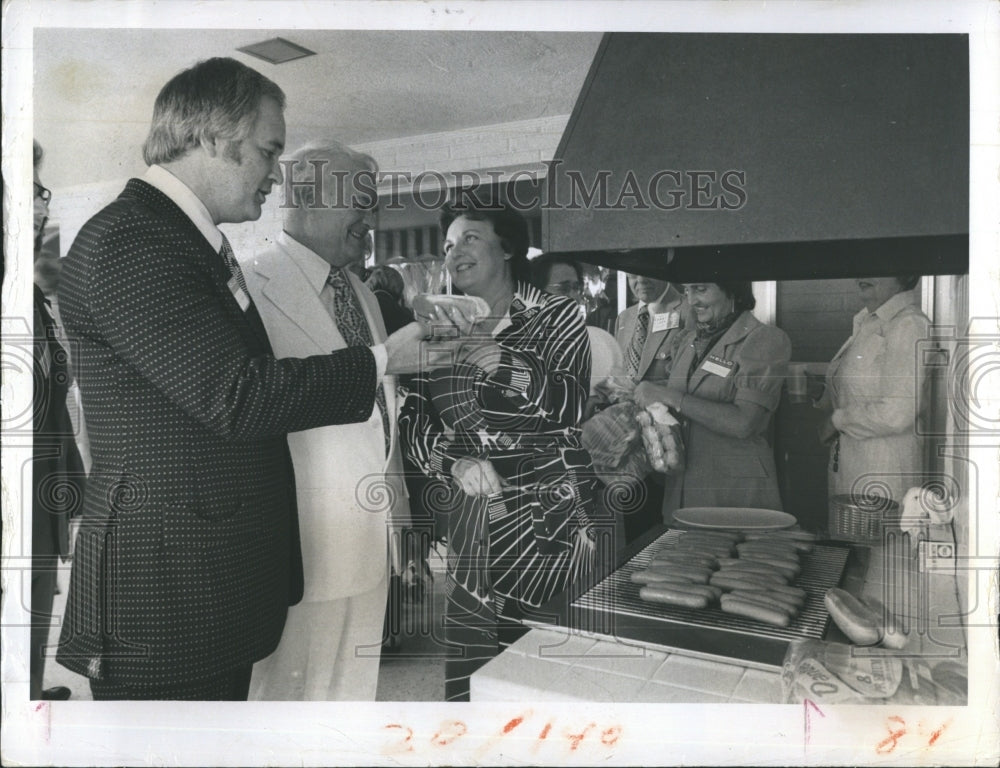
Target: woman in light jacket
x,y
874,395
724,383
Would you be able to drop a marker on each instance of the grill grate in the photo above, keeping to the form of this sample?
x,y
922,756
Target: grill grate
x,y
613,607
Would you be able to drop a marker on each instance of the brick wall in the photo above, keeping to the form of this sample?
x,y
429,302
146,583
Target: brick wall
x,y
817,315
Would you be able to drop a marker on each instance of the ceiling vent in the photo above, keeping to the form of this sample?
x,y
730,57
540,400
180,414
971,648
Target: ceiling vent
x,y
277,50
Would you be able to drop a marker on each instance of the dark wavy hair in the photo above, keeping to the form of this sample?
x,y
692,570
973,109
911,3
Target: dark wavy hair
x,y
908,282
741,292
541,269
508,224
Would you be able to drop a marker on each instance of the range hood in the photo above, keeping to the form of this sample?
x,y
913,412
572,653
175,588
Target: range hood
x,y
766,157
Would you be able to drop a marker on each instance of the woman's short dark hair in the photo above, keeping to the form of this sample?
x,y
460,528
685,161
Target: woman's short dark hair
x,y
508,224
541,269
218,98
908,282
741,292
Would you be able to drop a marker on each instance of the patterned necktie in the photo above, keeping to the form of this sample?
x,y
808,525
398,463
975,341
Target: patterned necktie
x,y
354,328
226,252
637,343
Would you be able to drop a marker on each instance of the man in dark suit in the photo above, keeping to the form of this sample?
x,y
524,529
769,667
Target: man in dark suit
x,y
189,555
647,333
57,470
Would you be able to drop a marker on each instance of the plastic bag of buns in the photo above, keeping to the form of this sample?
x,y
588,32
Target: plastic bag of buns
x,y
612,437
836,673
662,439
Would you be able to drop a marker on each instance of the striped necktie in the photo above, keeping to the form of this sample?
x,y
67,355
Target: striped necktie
x,y
353,326
226,252
637,343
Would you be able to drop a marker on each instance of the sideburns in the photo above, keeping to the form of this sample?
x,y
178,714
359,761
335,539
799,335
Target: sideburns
x,y
232,152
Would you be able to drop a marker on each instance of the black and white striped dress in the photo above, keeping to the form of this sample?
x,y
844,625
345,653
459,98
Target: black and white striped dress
x,y
515,550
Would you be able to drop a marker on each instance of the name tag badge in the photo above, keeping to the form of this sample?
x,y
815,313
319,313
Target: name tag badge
x,y
666,321
238,293
718,366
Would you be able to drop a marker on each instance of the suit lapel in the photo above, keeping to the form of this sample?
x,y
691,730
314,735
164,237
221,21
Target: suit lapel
x,y
292,295
221,275
626,327
217,268
737,331
655,339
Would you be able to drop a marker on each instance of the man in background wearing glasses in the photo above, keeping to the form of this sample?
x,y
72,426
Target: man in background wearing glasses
x,y
56,463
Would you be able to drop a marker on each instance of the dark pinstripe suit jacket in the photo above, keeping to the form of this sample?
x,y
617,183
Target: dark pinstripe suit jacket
x,y
189,555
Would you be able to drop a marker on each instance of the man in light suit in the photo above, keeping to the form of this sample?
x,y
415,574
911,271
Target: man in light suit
x,y
647,333
348,477
188,554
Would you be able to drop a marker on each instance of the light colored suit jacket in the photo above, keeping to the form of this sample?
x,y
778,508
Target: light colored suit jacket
x,y
347,487
658,351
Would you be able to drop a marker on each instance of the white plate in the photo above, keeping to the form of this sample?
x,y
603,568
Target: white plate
x,y
735,518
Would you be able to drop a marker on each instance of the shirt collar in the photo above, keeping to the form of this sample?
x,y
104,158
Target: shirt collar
x,y
895,305
312,265
181,194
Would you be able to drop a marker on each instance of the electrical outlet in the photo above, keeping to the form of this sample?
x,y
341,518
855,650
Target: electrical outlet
x,y
936,557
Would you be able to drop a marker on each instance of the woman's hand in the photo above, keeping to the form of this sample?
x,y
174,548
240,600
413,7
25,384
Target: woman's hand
x,y
646,392
587,544
477,477
453,317
815,386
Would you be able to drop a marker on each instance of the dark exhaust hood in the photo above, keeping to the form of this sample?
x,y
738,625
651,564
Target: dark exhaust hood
x,y
767,157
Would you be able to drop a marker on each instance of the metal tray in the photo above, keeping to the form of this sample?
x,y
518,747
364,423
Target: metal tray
x,y
612,608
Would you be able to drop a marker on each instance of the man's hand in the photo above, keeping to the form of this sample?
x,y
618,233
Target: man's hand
x,y
477,477
440,341
409,350
404,349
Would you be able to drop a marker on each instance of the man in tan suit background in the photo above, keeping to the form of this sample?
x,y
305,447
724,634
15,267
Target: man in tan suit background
x,y
647,333
348,477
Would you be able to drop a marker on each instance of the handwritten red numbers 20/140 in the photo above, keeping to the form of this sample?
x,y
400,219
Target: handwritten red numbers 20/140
x,y
449,731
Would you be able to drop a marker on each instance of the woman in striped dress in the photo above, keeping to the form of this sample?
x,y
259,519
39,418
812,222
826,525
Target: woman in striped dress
x,y
500,428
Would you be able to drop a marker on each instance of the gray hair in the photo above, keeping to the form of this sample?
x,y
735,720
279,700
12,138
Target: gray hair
x,y
215,99
343,158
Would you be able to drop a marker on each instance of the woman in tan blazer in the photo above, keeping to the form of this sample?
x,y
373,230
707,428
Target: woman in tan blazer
x,y
724,383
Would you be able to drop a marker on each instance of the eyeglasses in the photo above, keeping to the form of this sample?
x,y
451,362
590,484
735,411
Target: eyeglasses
x,y
43,192
565,288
